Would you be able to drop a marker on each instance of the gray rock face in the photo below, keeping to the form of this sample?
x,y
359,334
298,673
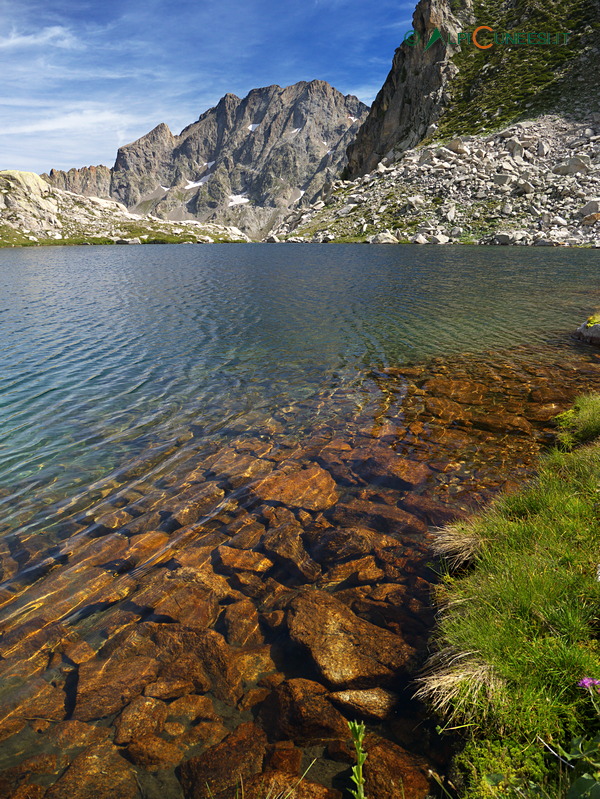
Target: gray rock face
x,y
89,180
245,162
413,95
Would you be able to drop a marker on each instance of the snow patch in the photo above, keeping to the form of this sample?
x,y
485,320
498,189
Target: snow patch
x,y
302,193
325,143
252,128
194,184
296,130
165,188
210,164
237,199
352,119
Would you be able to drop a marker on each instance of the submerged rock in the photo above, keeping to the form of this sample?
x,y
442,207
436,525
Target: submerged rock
x,y
300,710
282,783
221,767
347,651
105,687
312,488
377,516
391,772
99,772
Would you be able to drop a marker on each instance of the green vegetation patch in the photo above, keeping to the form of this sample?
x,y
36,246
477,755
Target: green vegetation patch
x,y
581,423
498,86
519,625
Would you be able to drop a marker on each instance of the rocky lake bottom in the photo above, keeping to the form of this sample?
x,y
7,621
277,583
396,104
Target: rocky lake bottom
x,y
218,607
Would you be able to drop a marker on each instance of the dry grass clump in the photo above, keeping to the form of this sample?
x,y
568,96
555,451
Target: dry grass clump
x,y
457,543
460,686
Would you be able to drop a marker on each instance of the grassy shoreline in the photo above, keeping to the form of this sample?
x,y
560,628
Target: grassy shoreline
x,y
519,620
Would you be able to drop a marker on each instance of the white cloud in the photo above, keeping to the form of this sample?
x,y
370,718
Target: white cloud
x,y
55,36
77,121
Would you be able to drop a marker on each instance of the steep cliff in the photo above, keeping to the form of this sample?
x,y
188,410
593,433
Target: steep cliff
x,y
244,162
89,180
465,89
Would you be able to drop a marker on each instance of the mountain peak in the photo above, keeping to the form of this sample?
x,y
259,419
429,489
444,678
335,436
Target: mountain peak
x,y
245,162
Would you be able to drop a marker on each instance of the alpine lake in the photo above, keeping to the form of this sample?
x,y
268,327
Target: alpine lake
x,y
221,469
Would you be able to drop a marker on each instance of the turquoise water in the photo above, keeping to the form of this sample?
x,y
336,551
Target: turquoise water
x,y
114,360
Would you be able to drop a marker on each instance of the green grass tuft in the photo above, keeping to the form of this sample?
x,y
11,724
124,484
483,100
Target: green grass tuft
x,y
581,423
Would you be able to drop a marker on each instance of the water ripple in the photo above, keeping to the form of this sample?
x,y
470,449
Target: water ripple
x,y
108,355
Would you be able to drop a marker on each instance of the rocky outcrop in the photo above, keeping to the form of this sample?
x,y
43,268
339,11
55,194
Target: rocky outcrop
x,y
33,212
89,180
244,162
439,87
414,93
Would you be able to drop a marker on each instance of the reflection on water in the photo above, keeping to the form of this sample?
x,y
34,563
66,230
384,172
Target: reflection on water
x,y
111,355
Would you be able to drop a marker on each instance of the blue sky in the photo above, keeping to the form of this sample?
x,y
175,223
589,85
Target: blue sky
x,y
79,78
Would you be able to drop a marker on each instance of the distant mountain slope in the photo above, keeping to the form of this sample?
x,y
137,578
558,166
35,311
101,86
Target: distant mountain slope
x,y
33,213
467,90
244,162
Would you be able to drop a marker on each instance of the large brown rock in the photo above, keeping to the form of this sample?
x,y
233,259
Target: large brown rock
x,y
34,699
242,624
391,772
99,772
373,703
312,488
347,651
191,509
70,734
377,516
232,559
236,758
384,467
354,572
284,784
284,545
337,544
104,687
154,753
431,511
192,708
141,717
189,604
200,655
300,710
503,423
238,467
447,410
468,392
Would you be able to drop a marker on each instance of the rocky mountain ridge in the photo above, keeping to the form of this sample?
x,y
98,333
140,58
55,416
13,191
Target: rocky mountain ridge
x,y
244,162
535,182
33,212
